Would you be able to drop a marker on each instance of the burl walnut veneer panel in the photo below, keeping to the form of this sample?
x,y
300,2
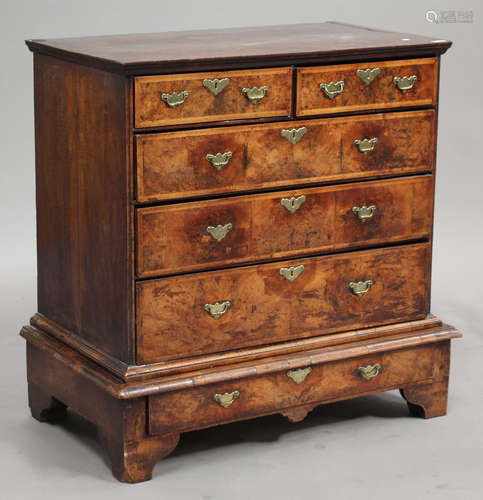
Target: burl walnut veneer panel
x,y
201,105
265,394
174,164
265,307
174,238
357,96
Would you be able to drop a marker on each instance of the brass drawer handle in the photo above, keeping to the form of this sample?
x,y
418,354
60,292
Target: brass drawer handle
x,y
370,371
218,309
219,160
299,375
332,89
219,232
368,75
405,83
226,399
364,213
292,273
174,99
292,204
216,85
360,288
294,135
255,94
366,145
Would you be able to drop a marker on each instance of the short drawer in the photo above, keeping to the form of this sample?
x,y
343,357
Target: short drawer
x,y
275,392
364,86
245,158
205,97
192,314
200,235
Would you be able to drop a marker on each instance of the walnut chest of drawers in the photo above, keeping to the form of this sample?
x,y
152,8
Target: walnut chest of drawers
x,y
232,223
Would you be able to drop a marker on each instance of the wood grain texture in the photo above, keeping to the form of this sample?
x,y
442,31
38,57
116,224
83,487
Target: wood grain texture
x,y
142,358
356,96
267,308
297,414
130,373
84,267
249,47
174,238
121,423
199,376
265,394
202,106
43,406
126,427
173,164
431,400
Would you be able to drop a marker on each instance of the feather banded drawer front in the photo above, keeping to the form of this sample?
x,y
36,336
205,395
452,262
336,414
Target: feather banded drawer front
x,y
231,224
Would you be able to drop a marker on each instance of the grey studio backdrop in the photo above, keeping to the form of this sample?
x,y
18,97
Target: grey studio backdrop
x,y
366,448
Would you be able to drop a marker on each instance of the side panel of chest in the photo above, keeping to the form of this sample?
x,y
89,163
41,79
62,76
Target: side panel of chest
x,y
83,215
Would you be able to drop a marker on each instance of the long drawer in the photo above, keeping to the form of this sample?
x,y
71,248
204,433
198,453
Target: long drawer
x,y
184,316
204,97
208,234
275,392
234,159
366,86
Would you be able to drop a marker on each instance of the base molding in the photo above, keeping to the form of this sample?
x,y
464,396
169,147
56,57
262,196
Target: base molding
x,y
129,372
139,422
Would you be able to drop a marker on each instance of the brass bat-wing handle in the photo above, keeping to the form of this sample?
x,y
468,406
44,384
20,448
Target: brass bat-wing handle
x,y
219,160
370,371
175,99
227,399
332,89
218,309
364,213
405,83
255,94
360,288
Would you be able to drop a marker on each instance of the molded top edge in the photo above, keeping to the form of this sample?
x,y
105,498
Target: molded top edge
x,y
204,50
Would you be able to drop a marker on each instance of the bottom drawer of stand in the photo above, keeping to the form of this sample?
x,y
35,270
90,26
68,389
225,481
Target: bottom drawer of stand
x,y
260,395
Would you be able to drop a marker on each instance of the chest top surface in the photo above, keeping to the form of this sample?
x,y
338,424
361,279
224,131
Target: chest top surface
x,y
238,47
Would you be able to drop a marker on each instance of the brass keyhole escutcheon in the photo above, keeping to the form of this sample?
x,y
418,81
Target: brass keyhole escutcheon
x,y
292,273
216,85
368,75
292,204
294,135
219,232
300,374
